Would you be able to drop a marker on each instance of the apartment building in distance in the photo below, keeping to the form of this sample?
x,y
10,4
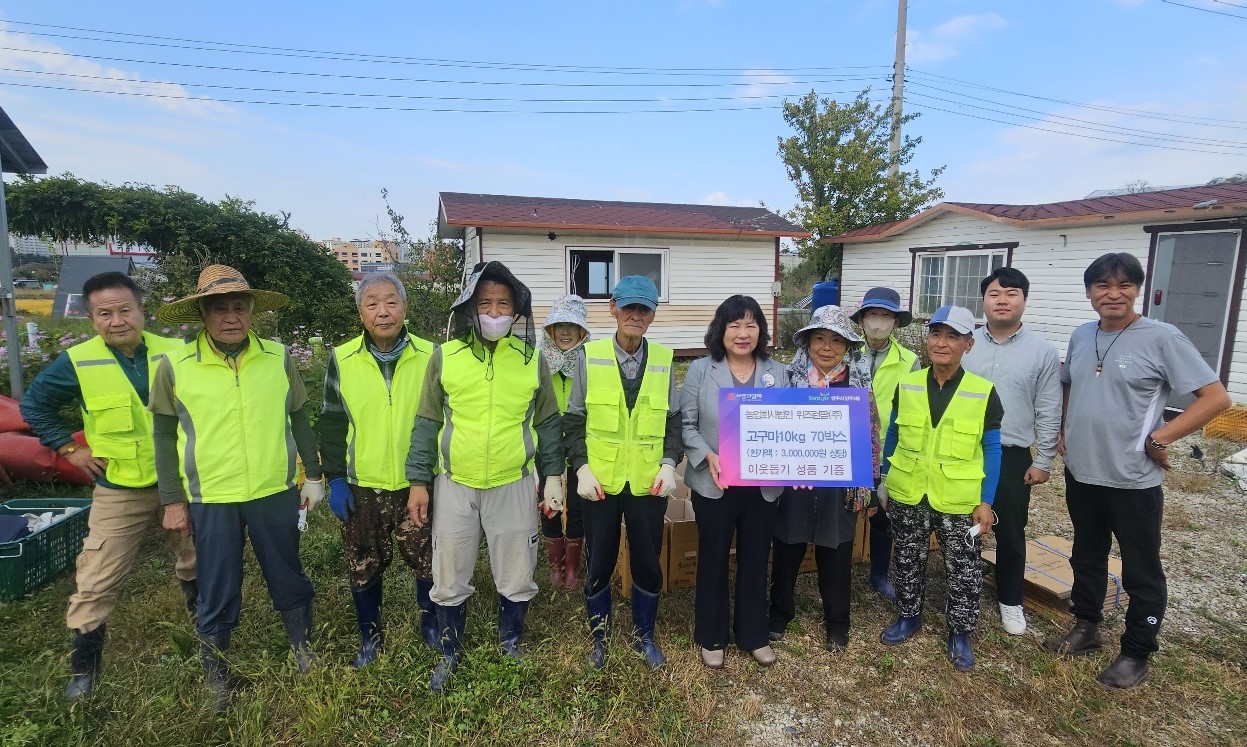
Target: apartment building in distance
x,y
365,255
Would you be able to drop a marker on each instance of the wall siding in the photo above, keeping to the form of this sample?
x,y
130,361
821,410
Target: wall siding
x,y
702,271
1052,258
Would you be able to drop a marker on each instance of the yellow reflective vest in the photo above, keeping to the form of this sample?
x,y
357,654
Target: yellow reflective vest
x,y
234,435
625,448
118,424
379,417
487,437
898,361
945,462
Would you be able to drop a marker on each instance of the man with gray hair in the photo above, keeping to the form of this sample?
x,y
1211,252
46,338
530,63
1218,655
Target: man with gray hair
x,y
372,390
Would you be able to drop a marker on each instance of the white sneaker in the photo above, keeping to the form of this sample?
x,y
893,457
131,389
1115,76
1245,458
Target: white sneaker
x,y
1013,619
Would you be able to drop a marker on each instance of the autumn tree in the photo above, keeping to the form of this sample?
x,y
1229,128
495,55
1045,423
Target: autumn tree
x,y
432,273
837,157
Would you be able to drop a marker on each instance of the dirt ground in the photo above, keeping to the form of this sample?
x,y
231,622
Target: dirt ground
x,y
908,695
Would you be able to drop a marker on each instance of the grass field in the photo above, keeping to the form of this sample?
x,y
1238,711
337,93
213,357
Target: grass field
x,y
151,690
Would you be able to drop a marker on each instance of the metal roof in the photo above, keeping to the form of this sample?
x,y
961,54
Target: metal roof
x,y
17,155
457,210
1188,203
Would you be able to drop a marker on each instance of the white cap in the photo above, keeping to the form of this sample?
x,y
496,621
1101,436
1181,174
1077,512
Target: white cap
x,y
958,317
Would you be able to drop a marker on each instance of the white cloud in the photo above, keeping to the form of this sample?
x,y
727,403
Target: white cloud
x,y
765,83
46,64
1032,166
948,39
721,198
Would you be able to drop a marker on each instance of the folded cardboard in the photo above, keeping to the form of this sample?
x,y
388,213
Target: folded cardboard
x,y
1049,580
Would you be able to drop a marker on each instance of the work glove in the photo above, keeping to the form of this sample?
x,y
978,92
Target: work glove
x,y
664,482
341,499
588,486
313,492
552,496
882,492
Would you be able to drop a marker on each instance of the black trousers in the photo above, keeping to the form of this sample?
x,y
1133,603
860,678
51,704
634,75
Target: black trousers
x,y
741,512
552,527
835,575
643,517
1012,507
220,530
1132,515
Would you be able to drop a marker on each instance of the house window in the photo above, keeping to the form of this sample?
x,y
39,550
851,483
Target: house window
x,y
593,271
953,277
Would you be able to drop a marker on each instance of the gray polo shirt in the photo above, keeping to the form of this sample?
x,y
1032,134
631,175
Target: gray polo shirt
x,y
1110,416
1026,370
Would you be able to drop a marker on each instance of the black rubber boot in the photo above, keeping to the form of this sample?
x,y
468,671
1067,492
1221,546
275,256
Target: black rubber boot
x,y
298,624
429,630
212,650
85,658
190,593
368,615
452,621
511,625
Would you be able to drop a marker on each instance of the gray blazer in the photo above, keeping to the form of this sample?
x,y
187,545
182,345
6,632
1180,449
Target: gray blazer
x,y
699,408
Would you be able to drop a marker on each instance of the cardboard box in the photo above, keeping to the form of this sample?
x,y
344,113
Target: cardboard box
x,y
678,555
1049,580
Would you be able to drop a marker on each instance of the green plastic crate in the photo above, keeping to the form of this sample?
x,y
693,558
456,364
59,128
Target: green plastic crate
x,y
32,561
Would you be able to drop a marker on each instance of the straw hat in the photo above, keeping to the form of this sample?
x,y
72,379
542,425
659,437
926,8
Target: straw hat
x,y
218,280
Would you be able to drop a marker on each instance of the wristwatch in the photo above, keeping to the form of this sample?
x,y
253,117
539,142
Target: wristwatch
x,y
1156,444
68,449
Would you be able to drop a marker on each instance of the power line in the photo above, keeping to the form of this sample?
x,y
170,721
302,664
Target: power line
x,y
254,49
388,79
1103,126
962,113
1208,10
357,94
327,105
1163,116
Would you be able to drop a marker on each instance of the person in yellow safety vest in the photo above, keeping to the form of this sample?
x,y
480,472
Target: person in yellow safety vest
x,y
108,378
942,463
561,342
622,430
880,315
372,389
229,414
488,417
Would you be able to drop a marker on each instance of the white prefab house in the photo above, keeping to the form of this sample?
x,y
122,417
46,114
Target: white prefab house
x,y
697,255
1191,242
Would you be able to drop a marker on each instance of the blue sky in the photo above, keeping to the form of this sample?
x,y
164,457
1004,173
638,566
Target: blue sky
x,y
1127,70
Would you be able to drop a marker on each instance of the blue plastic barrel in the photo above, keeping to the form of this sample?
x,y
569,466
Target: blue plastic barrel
x,y
826,293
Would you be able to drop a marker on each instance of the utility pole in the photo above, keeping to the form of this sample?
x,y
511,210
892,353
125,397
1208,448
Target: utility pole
x,y
898,91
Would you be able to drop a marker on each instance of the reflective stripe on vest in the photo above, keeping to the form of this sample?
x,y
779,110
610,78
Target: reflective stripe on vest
x,y
118,424
562,389
896,363
944,463
625,448
234,435
487,437
380,418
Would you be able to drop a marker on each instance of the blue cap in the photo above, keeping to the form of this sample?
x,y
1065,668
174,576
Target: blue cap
x,y
958,318
886,299
633,289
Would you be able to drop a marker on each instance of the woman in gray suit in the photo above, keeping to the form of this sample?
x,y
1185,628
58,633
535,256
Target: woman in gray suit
x,y
737,340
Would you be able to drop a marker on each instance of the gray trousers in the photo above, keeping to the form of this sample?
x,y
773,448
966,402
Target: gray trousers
x,y
509,521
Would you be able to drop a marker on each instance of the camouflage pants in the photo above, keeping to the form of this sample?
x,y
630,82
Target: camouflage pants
x,y
911,532
378,522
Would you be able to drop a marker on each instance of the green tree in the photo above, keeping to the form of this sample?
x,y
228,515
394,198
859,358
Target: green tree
x,y
433,274
1234,179
838,159
189,232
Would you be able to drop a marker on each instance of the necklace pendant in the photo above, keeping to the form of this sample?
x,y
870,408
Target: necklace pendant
x,y
1098,369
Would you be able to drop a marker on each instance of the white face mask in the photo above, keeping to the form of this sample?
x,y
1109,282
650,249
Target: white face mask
x,y
494,328
877,329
